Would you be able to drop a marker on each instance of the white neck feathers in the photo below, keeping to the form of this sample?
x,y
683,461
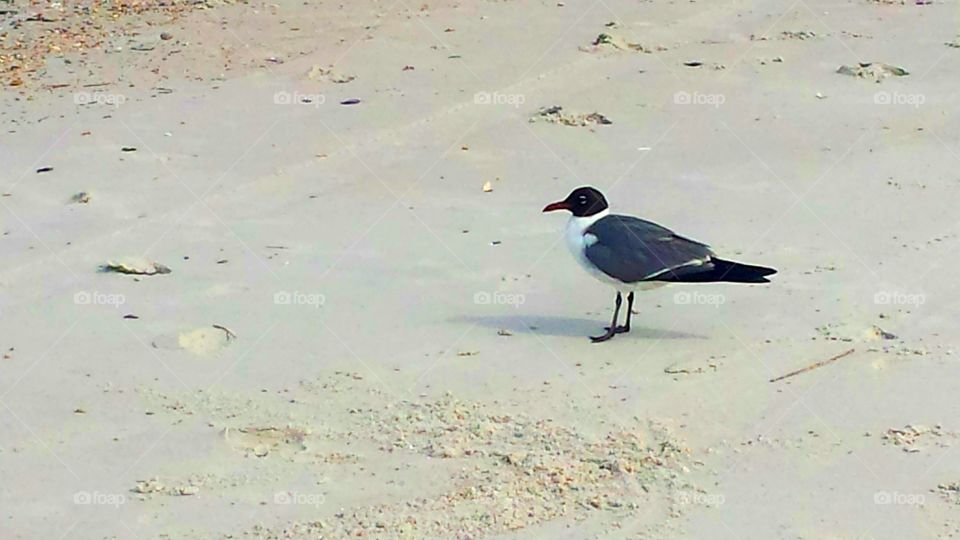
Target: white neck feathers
x,y
583,223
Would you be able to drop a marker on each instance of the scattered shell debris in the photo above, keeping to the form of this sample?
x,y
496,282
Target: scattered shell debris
x,y
262,441
153,485
876,332
950,492
320,72
610,41
877,338
187,487
873,70
81,198
911,436
139,267
556,115
693,367
798,34
69,28
509,471
516,472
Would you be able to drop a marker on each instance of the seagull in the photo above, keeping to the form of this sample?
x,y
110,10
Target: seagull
x,y
633,254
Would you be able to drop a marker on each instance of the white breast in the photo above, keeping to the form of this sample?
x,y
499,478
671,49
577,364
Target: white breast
x,y
578,241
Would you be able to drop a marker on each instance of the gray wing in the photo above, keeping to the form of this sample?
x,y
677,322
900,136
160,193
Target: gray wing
x,y
631,249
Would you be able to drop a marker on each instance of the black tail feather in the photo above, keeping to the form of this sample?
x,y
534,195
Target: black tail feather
x,y
729,271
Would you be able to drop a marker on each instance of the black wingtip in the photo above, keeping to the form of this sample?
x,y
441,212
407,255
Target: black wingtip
x,y
728,271
742,273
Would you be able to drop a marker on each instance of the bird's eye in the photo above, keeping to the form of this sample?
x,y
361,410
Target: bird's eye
x,y
583,200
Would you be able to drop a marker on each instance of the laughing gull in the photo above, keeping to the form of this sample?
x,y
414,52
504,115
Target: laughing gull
x,y
632,254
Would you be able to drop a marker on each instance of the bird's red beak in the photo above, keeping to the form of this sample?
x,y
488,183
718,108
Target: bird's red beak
x,y
561,205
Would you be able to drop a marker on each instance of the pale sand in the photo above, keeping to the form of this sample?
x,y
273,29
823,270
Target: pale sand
x,y
329,415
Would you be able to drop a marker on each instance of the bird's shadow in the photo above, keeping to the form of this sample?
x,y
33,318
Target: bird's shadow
x,y
566,326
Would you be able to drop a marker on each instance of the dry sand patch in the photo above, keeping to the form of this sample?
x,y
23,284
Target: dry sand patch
x,y
511,471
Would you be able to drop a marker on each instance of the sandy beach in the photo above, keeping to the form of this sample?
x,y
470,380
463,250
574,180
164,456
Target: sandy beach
x,y
279,270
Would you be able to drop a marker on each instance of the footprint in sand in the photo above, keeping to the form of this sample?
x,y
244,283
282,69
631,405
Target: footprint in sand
x,y
203,341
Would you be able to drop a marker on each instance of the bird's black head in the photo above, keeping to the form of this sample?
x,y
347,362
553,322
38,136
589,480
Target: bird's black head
x,y
582,202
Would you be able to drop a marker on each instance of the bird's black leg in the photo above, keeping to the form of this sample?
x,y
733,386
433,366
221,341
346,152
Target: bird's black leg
x,y
612,330
626,327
